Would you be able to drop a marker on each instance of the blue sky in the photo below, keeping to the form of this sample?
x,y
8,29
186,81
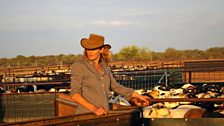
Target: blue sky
x,y
52,27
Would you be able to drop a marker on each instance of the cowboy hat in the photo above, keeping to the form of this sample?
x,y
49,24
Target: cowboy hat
x,y
93,42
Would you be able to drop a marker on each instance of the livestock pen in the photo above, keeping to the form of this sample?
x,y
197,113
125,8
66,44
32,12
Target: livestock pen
x,y
53,109
45,115
194,72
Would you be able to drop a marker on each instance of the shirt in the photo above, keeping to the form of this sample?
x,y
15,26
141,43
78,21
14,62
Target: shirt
x,y
94,87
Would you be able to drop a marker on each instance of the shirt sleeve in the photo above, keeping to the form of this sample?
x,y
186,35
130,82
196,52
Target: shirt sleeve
x,y
76,78
120,89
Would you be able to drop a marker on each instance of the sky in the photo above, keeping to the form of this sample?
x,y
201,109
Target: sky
x,y
53,27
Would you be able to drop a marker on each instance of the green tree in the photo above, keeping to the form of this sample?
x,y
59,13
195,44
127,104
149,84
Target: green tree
x,y
172,54
197,54
157,55
134,53
21,60
215,52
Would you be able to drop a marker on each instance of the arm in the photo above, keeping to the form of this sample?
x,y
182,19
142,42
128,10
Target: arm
x,y
82,101
120,89
129,93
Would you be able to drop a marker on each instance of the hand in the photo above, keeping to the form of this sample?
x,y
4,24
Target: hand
x,y
141,100
100,111
145,100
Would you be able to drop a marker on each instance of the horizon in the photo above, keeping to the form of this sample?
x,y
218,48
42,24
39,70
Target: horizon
x,y
112,53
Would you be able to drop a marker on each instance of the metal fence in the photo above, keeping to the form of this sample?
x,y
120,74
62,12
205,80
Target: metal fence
x,y
199,73
27,106
197,77
141,79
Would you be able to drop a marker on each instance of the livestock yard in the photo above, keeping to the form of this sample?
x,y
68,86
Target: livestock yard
x,y
188,93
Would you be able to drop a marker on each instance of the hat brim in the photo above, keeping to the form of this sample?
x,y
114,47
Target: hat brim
x,y
107,46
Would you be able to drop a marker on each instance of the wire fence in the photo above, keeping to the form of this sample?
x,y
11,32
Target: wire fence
x,y
27,106
141,79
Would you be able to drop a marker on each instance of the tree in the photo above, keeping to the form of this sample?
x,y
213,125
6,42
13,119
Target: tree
x,y
133,53
21,60
172,54
215,52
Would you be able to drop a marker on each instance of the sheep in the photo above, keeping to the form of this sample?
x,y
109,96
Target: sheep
x,y
157,110
2,90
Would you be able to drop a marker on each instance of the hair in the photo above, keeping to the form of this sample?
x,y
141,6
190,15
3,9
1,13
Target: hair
x,y
105,55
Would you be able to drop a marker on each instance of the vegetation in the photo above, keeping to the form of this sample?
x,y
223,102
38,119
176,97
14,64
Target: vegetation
x,y
133,53
128,53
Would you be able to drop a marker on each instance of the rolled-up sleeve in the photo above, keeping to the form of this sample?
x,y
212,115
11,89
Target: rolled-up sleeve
x,y
120,89
76,78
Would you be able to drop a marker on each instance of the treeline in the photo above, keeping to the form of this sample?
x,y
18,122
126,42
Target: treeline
x,y
134,53
128,53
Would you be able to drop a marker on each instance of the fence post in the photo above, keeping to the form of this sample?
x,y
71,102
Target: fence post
x,y
189,79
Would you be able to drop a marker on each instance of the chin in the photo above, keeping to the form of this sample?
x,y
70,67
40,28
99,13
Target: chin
x,y
91,58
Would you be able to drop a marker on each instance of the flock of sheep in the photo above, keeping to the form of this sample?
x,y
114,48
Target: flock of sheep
x,y
180,109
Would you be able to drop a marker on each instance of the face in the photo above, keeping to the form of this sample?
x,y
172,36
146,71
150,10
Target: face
x,y
94,54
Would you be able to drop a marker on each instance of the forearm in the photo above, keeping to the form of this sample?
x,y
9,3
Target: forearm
x,y
120,89
82,101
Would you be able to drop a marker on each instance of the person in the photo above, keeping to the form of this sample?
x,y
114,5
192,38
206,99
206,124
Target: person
x,y
92,80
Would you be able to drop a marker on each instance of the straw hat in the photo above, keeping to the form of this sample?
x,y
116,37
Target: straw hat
x,y
93,42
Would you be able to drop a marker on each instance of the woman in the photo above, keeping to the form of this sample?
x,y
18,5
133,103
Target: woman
x,y
91,79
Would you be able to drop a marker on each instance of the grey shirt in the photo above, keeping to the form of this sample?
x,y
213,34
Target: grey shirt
x,y
93,86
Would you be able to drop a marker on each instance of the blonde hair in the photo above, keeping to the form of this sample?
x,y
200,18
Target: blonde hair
x,y
105,55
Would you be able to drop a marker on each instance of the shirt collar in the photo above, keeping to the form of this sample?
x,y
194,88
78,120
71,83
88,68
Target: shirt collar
x,y
102,62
